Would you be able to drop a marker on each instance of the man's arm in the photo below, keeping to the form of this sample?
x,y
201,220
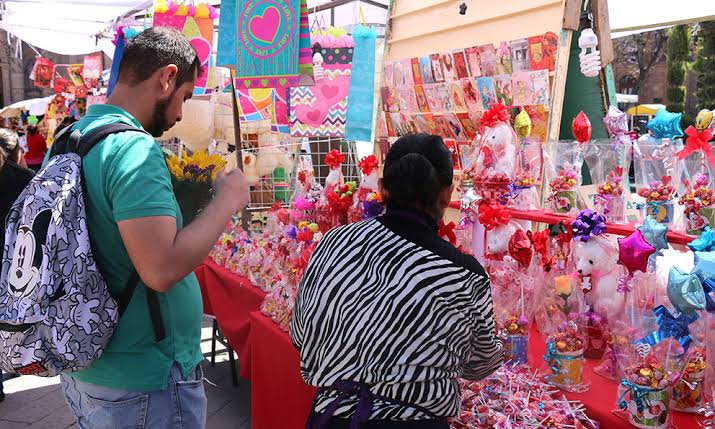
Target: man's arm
x,y
162,255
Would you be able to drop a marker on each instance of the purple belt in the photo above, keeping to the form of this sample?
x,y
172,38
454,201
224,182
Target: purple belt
x,y
366,399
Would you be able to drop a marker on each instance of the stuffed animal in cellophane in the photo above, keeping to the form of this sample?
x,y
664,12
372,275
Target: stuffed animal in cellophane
x,y
496,164
367,202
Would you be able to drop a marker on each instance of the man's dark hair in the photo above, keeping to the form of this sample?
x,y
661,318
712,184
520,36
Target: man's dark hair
x,y
154,48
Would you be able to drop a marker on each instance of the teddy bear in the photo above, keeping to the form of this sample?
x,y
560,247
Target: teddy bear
x,y
595,263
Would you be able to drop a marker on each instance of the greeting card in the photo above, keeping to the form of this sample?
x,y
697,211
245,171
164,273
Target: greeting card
x,y
448,67
468,125
460,64
431,124
540,86
437,68
403,72
457,97
455,126
390,102
426,70
421,122
551,44
443,127
445,99
471,94
475,69
504,59
397,124
390,126
381,131
476,118
388,75
486,91
519,55
434,97
522,88
422,102
408,122
416,71
488,60
542,51
407,99
502,87
539,121
465,149
454,150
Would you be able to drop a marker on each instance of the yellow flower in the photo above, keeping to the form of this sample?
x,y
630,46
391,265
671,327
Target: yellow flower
x,y
562,285
160,6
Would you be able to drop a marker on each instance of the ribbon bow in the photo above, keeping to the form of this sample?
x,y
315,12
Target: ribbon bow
x,y
698,142
446,231
552,359
491,215
670,326
709,286
638,394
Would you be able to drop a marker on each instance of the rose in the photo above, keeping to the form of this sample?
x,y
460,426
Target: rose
x,y
562,286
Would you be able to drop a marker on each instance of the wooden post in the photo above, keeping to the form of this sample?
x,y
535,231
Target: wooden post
x,y
245,221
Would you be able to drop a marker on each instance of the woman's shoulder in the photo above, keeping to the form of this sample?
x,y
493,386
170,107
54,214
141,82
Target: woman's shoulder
x,y
15,177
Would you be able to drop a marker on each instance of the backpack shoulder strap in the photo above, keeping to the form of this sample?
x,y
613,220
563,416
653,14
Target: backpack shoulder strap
x,y
91,138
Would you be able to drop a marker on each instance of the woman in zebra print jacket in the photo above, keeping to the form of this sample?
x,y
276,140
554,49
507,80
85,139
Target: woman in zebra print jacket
x,y
388,314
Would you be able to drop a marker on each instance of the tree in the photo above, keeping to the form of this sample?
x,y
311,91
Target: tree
x,y
642,52
705,66
677,57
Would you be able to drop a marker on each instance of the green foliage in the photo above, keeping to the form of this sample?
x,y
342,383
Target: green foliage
x,y
705,66
677,56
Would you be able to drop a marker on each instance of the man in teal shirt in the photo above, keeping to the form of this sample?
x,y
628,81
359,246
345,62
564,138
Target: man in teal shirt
x,y
134,223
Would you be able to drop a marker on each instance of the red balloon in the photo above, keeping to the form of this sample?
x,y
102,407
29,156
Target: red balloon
x,y
581,128
634,251
520,248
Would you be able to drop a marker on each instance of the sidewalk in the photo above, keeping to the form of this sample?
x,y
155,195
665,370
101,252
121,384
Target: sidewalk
x,y
38,403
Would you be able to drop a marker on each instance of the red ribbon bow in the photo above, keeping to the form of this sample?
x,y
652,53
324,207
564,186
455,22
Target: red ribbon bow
x,y
368,164
446,231
698,142
492,214
334,159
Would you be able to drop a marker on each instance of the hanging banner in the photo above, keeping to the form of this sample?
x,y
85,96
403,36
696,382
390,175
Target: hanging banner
x,y
264,103
270,36
195,22
320,110
361,96
75,72
43,72
92,70
227,38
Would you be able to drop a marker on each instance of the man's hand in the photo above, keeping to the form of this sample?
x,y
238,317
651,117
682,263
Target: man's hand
x,y
233,188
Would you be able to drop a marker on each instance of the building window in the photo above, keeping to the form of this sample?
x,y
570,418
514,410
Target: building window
x,y
627,84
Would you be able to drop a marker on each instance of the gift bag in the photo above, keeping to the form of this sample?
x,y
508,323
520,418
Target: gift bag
x,y
563,161
608,164
92,70
656,168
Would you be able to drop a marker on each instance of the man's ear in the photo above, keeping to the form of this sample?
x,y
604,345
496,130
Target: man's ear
x,y
167,77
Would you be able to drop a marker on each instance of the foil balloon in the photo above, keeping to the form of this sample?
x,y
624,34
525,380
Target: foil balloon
x,y
655,233
634,251
704,120
581,127
685,292
705,265
705,242
522,124
666,125
616,123
520,248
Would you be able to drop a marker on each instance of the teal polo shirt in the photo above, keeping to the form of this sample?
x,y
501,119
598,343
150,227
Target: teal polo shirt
x,y
126,178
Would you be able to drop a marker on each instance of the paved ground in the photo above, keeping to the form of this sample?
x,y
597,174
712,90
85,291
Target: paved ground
x,y
37,403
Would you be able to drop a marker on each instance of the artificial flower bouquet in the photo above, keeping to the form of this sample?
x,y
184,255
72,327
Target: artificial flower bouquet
x,y
658,196
699,205
192,177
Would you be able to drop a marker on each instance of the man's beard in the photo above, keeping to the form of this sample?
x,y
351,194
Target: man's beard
x,y
159,124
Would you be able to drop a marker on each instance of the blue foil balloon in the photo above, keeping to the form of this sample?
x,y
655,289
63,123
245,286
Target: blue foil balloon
x,y
655,233
704,265
666,125
685,292
705,242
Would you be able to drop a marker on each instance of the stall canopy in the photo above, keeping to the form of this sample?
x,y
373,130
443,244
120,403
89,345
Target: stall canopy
x,y
633,16
68,27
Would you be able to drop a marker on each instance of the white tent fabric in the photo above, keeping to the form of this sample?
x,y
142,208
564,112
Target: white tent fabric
x,y
66,27
630,16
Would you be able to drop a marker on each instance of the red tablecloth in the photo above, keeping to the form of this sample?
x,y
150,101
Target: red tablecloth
x,y
600,399
231,299
279,398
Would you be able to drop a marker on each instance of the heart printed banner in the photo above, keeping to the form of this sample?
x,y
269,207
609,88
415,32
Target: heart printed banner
x,y
198,29
321,110
273,44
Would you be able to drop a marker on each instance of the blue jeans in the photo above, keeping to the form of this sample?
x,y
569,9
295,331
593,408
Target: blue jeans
x,y
181,405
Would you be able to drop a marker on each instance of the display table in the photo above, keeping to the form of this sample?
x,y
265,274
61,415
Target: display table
x,y
279,398
231,299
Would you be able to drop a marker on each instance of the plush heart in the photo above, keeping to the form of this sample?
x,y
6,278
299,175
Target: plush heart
x,y
265,27
329,91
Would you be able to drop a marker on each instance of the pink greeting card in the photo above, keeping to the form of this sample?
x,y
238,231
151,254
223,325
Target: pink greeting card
x,y
460,64
503,59
471,94
434,97
456,95
437,68
488,60
540,86
422,102
522,88
448,66
503,89
475,69
407,99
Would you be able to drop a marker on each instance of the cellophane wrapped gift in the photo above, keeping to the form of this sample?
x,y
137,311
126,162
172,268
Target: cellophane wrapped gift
x,y
697,200
332,208
689,394
656,168
563,161
367,202
608,162
559,310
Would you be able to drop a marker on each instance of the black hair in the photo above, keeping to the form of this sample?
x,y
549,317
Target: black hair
x,y
418,168
154,48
